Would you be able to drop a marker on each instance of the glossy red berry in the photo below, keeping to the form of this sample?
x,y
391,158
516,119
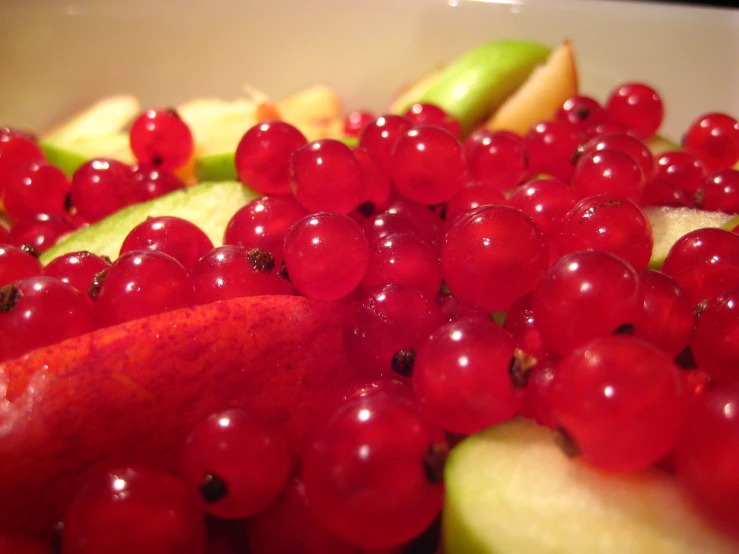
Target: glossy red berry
x,y
430,114
379,136
263,154
713,138
326,255
231,271
585,295
376,186
236,462
715,347
373,449
16,149
680,170
611,223
325,176
618,403
41,231
101,187
499,161
470,197
39,311
581,113
638,107
428,225
384,329
462,376
133,509
142,283
76,268
608,171
355,121
719,191
17,263
550,146
151,182
36,187
427,165
546,201
492,256
161,138
625,143
179,238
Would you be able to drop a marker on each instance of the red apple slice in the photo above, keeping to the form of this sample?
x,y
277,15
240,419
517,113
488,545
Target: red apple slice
x,y
131,393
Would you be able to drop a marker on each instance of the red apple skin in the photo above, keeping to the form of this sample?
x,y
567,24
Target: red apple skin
x,y
132,392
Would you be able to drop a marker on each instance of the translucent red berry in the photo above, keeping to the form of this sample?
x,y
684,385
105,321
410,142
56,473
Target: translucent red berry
x,y
581,113
36,187
237,463
16,149
101,187
161,138
151,182
618,403
430,114
462,376
17,263
379,136
493,255
638,107
546,201
263,154
550,146
325,176
179,238
39,311
355,121
499,161
713,138
41,231
719,191
76,268
326,255
715,345
608,171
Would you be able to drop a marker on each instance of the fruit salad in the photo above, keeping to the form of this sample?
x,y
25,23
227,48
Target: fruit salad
x,y
501,316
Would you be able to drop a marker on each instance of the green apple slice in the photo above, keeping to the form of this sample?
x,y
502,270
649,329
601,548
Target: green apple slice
x,y
511,490
474,85
210,206
669,224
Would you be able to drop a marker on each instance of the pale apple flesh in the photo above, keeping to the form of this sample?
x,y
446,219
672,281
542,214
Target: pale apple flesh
x,y
541,95
131,393
210,206
511,490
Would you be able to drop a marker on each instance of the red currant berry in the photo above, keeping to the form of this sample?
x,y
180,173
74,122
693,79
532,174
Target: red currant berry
x,y
705,262
470,197
707,455
325,176
681,170
498,161
16,149
179,238
263,223
288,526
668,318
161,138
625,143
383,331
428,225
76,268
585,295
36,187
452,308
719,192
383,224
151,182
714,139
101,187
610,223
263,154
39,311
17,263
520,322
379,136
326,255
355,121
535,404
581,113
41,231
462,376
237,463
618,402
404,260
132,509
427,165
234,272
611,172
492,256
546,201
373,449
638,107
661,193
550,146
715,347
430,114
142,283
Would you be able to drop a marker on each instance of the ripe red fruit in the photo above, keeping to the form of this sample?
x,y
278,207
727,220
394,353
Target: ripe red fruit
x,y
161,138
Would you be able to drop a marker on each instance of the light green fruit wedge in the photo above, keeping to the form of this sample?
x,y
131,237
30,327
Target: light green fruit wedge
x,y
210,206
216,167
474,85
511,490
68,155
669,224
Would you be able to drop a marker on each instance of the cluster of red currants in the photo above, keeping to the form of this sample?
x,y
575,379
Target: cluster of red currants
x,y
423,236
